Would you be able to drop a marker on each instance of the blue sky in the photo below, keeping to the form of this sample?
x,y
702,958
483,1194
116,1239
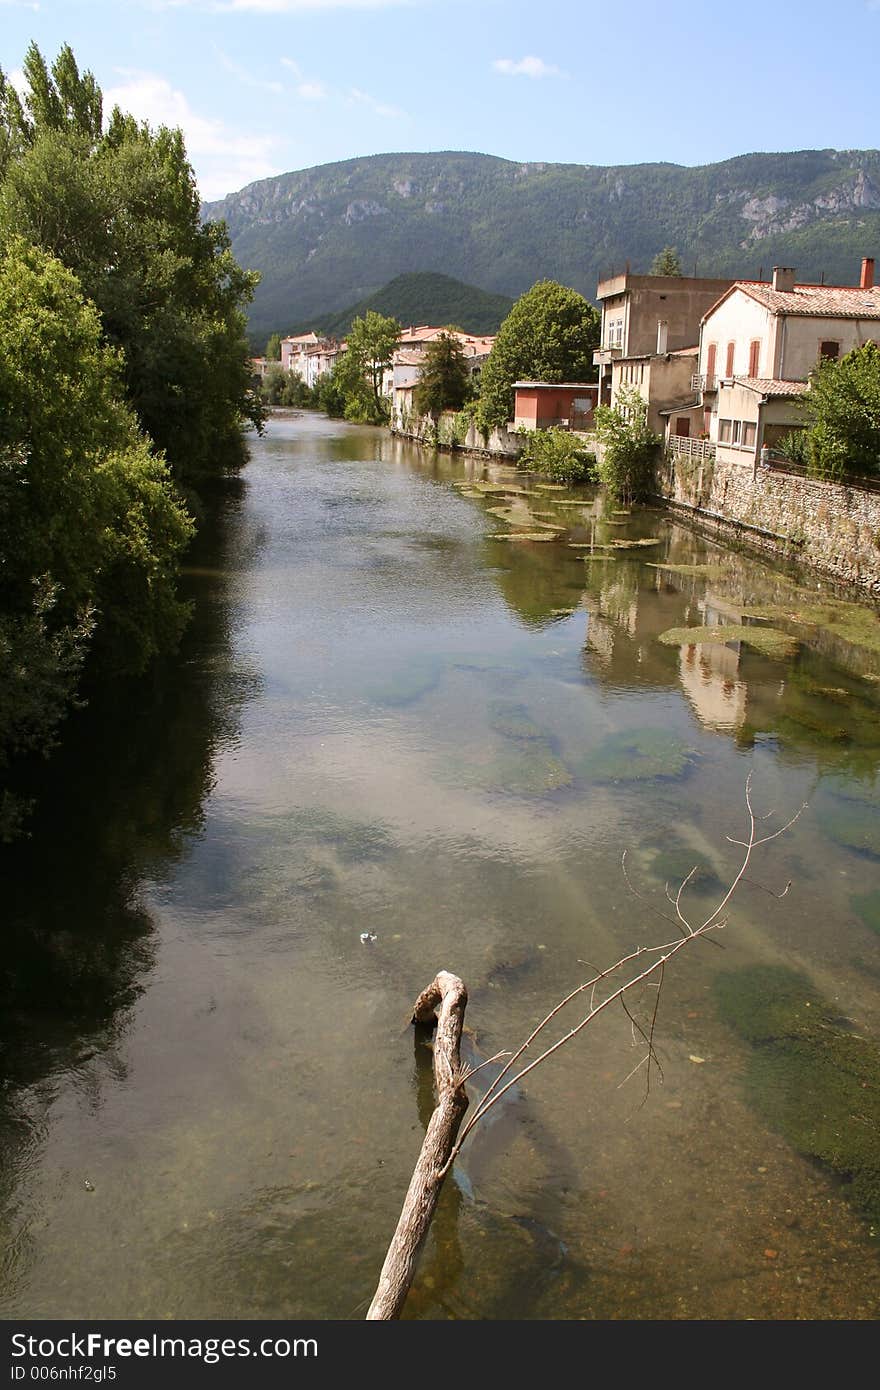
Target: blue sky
x,y
265,86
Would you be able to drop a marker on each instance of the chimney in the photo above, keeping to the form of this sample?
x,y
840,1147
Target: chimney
x,y
783,277
866,281
662,336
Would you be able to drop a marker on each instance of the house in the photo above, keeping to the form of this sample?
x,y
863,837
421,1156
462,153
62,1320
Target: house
x,y
758,345
293,352
409,355
664,380
544,405
649,315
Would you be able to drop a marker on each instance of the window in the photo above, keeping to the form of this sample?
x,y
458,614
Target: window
x,y
725,428
750,431
754,356
615,333
737,431
731,349
830,350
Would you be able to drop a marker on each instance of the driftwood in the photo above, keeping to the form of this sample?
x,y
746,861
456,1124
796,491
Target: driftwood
x,y
448,993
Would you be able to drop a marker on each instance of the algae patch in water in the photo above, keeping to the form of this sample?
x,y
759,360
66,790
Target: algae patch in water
x,y
636,754
767,640
851,825
527,536
512,720
866,906
643,544
407,684
809,1077
705,571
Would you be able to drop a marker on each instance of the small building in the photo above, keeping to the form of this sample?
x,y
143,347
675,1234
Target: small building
x,y
544,405
663,380
649,314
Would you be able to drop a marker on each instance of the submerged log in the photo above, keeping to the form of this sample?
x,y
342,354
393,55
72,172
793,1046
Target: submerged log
x,y
448,994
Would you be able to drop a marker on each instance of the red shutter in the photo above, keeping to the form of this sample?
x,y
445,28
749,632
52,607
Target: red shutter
x,y
711,357
731,349
754,356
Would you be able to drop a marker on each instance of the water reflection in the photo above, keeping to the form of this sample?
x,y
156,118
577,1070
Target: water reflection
x,y
394,726
120,800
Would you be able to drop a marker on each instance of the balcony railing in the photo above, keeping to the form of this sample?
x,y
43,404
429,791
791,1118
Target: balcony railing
x,y
701,382
684,447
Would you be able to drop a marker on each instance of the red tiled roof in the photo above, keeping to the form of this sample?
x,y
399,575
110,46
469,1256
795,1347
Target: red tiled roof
x,y
769,386
816,301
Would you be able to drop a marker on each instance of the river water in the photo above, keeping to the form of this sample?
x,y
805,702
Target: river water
x,y
385,721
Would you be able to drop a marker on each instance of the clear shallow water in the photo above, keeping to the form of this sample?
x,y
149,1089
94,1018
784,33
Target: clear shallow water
x,y
386,721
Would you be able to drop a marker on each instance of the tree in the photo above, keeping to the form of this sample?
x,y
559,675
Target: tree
x,y
549,335
91,528
666,262
558,456
370,349
444,380
273,347
629,447
121,210
843,410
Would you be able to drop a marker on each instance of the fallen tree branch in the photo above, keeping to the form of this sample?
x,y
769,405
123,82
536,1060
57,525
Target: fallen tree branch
x,y
446,1135
448,993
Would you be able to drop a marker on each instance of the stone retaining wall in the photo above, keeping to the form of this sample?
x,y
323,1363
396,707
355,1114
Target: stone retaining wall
x,y
833,527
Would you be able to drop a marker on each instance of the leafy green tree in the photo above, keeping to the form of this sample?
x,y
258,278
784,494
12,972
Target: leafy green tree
x,y
273,347
370,348
843,410
86,507
444,380
666,262
549,335
558,456
629,447
121,210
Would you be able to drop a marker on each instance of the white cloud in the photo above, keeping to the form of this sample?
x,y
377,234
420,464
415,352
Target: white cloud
x,y
222,159
379,108
308,88
526,67
247,79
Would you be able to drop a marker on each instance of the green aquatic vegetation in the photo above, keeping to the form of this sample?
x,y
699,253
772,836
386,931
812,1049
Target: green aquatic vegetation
x,y
866,906
635,545
850,824
767,640
636,754
407,684
513,720
858,624
808,1075
705,571
672,862
533,769
501,489
353,841
526,536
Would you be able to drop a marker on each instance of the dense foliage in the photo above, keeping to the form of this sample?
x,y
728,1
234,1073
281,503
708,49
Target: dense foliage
x,y
666,262
557,455
629,447
120,209
444,382
424,298
124,383
549,335
843,409
324,237
361,368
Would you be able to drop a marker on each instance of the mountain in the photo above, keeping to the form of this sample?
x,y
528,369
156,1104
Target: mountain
x,y
331,236
423,297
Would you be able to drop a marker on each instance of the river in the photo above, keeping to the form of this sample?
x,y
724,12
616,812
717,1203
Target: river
x,y
391,744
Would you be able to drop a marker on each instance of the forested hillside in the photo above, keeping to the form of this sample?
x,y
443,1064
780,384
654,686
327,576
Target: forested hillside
x,y
328,237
